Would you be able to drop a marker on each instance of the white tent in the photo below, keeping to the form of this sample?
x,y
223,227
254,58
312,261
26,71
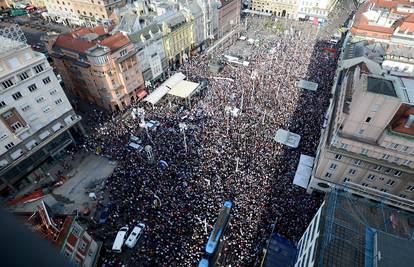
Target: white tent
x,y
183,89
164,88
308,85
304,171
287,138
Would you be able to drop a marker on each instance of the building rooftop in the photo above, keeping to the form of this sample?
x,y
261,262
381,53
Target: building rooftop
x,y
380,86
403,120
357,231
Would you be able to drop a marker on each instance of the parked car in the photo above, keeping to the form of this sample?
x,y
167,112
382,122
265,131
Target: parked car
x,y
135,235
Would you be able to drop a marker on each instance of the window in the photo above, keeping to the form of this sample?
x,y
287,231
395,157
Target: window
x,y
7,115
365,184
16,96
405,148
393,146
82,245
39,68
46,80
398,173
59,101
53,92
2,104
16,126
357,162
368,119
338,157
390,182
25,108
23,76
46,109
383,190
40,99
344,146
76,231
7,83
328,175
32,87
333,166
3,136
403,196
352,171
123,52
9,145
346,179
410,188
371,177
388,170
364,151
407,162
385,156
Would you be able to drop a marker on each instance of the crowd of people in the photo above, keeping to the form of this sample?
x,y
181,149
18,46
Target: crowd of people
x,y
226,152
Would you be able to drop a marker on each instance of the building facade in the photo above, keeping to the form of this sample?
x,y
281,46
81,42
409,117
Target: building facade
x,y
315,9
228,16
368,143
280,8
36,119
354,231
80,12
98,67
151,54
177,37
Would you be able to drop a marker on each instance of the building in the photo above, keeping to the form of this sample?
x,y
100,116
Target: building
x,y
65,233
352,231
196,15
368,142
385,21
282,8
37,121
228,16
151,54
315,10
178,36
98,67
81,13
210,18
4,4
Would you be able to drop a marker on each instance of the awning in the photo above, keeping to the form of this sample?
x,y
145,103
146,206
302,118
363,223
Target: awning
x,y
141,94
304,171
44,134
164,88
308,85
16,154
31,144
57,127
287,138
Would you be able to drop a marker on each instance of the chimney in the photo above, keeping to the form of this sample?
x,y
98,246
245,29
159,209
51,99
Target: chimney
x,y
409,122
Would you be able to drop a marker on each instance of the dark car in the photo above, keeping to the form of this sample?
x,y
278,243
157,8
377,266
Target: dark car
x,y
103,217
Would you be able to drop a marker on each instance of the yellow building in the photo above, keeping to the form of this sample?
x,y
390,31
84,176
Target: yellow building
x,y
38,3
280,8
178,37
81,12
4,4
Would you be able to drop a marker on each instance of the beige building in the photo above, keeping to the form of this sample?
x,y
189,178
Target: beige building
x,y
81,12
98,67
280,8
368,143
37,121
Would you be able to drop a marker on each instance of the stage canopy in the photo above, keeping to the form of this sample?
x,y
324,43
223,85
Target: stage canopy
x,y
308,85
164,88
183,89
304,171
287,138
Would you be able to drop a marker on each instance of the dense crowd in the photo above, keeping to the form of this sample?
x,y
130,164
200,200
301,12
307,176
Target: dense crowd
x,y
229,153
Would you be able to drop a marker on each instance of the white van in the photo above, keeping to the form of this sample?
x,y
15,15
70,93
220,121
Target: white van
x,y
119,239
135,235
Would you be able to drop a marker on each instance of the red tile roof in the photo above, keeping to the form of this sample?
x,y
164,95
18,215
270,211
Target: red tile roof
x,y
115,42
72,41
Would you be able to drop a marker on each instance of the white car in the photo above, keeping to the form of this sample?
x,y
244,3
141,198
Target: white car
x,y
135,235
119,239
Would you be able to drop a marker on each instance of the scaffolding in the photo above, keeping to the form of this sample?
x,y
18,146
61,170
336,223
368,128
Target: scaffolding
x,y
352,226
